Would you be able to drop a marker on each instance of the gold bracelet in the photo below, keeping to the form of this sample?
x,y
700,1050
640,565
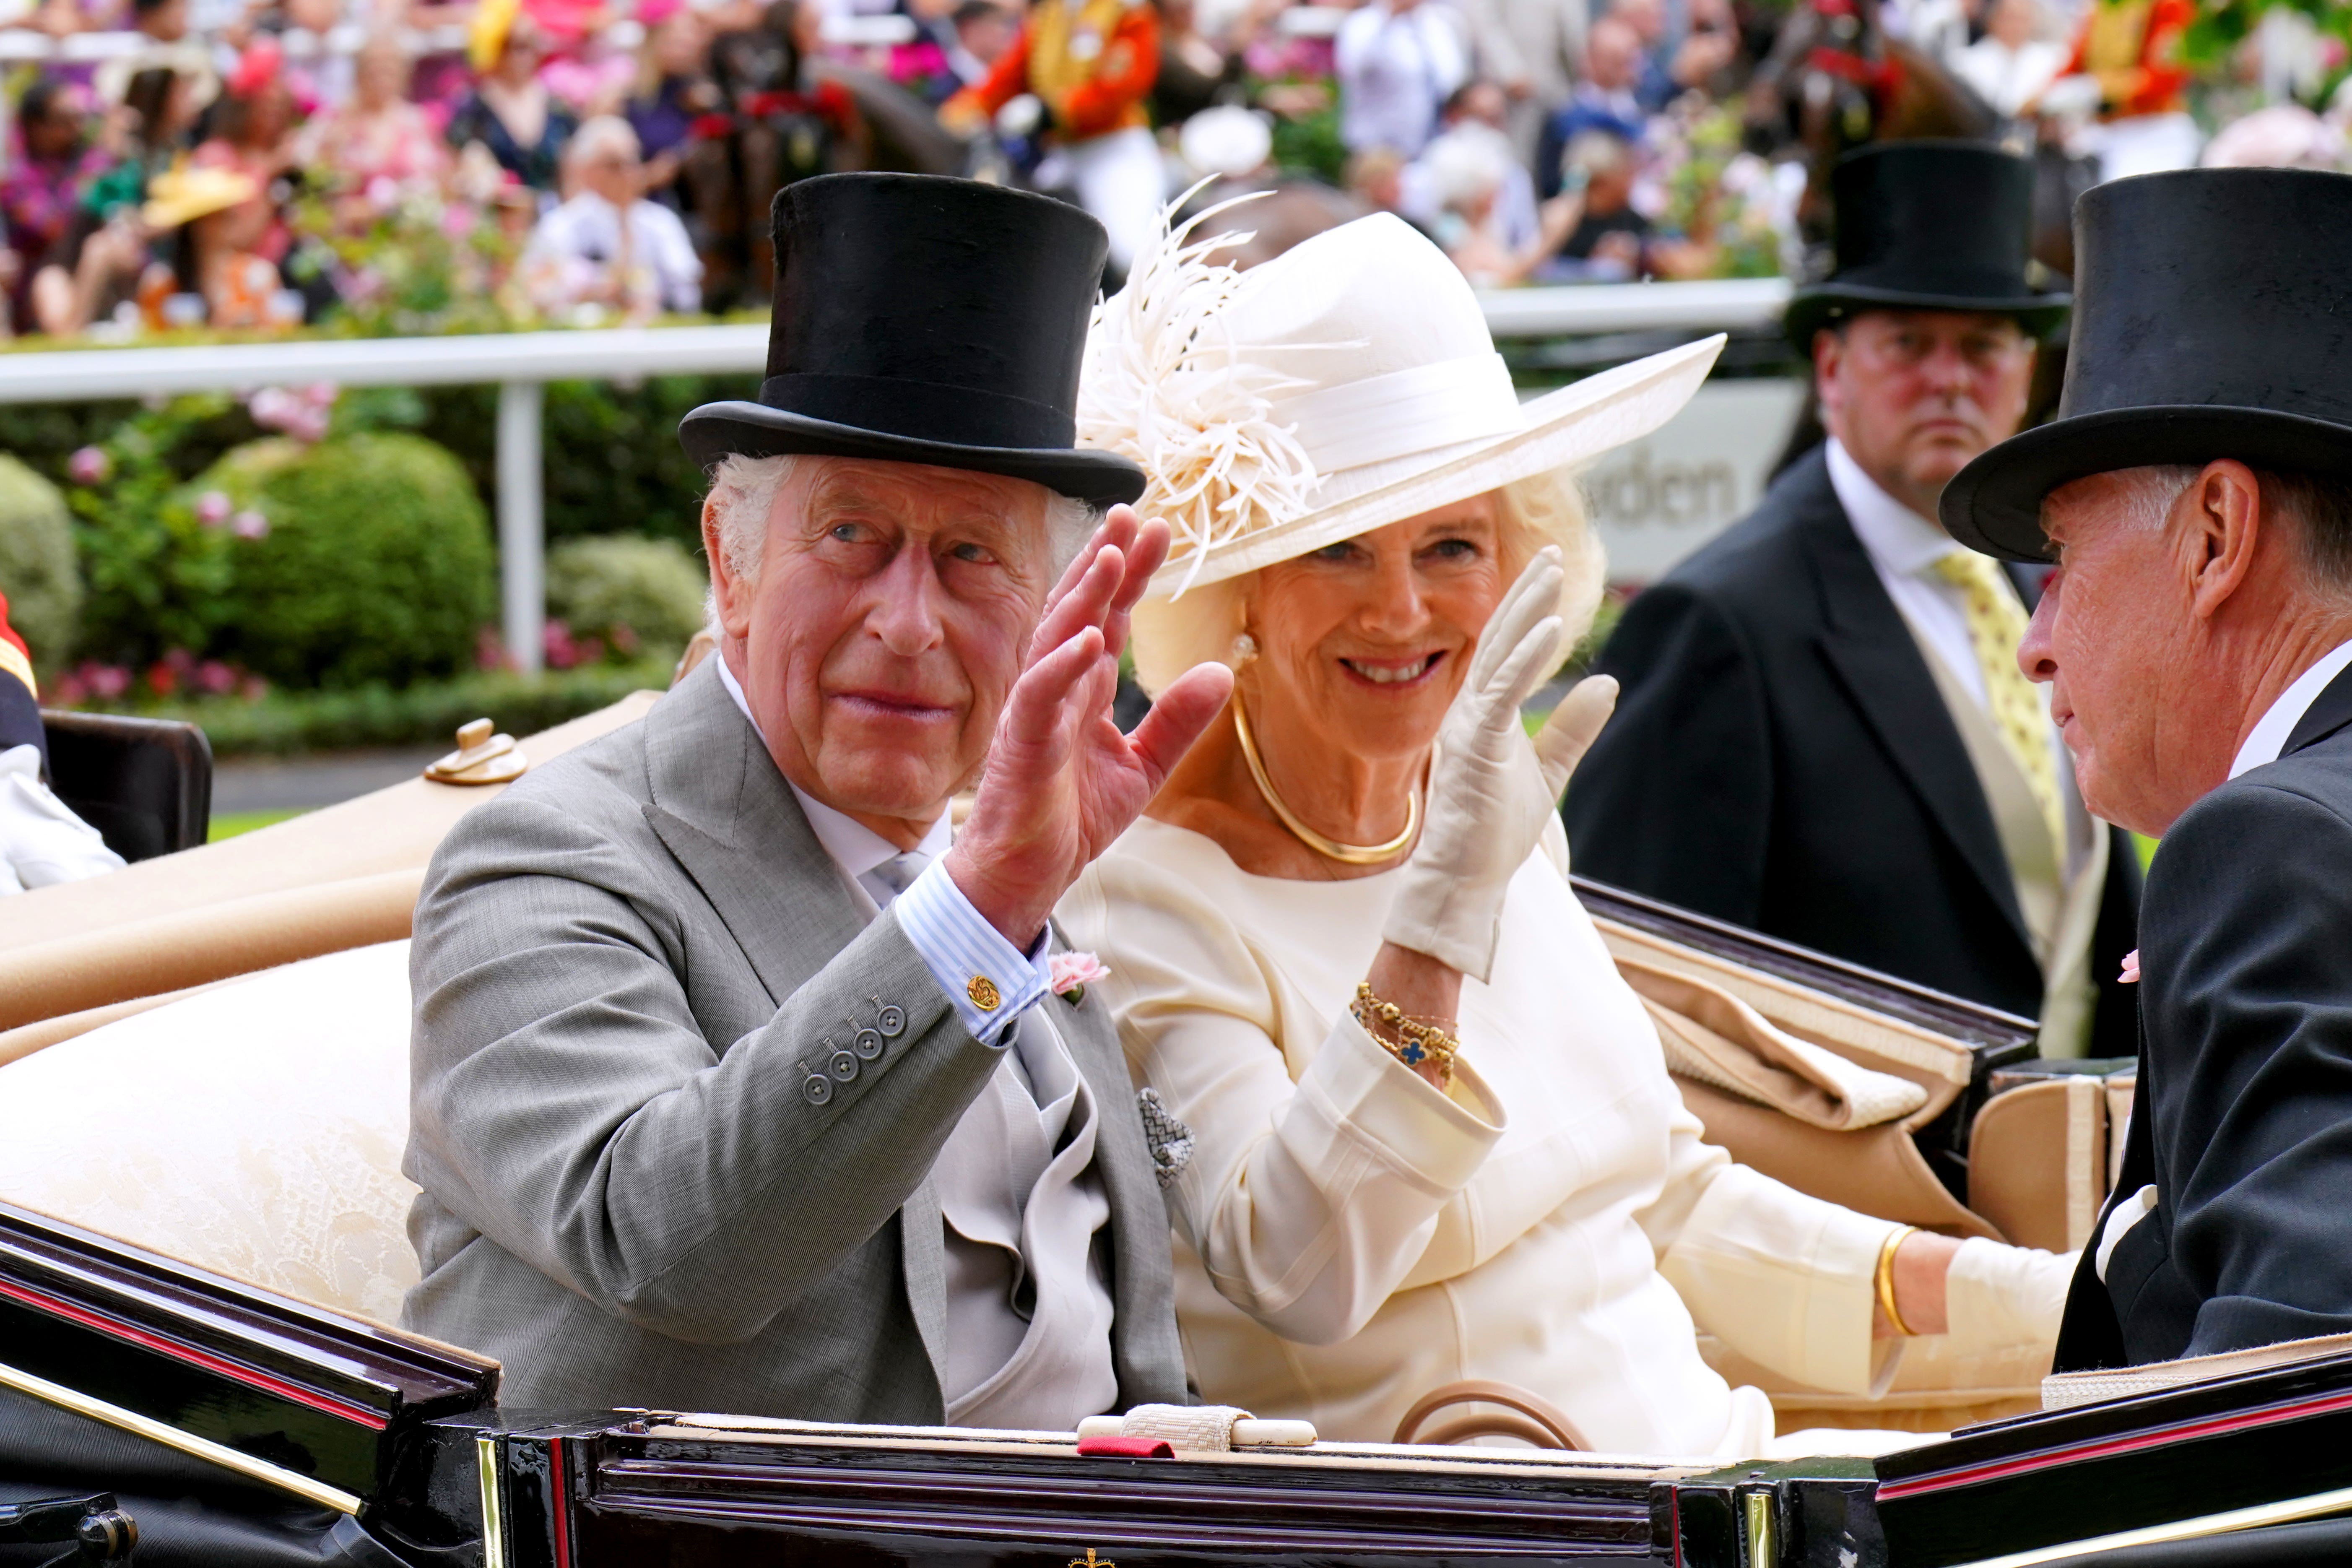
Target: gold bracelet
x,y
1417,1040
1883,1278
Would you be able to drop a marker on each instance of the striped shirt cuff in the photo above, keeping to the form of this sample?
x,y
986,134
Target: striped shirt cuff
x,y
989,980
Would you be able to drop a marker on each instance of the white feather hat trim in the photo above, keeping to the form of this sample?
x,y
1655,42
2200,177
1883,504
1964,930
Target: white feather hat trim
x,y
1349,383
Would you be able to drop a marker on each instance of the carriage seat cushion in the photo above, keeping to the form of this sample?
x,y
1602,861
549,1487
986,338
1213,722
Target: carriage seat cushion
x,y
254,1129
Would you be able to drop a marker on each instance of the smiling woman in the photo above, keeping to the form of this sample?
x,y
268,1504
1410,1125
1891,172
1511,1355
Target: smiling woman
x,y
1432,1135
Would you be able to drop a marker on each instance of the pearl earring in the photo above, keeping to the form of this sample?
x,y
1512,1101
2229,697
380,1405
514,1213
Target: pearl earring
x,y
1244,649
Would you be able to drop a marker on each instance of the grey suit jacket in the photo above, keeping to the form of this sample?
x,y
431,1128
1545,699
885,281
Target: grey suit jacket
x,y
626,968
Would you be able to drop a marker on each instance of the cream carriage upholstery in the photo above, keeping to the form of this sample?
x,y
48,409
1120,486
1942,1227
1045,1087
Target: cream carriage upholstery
x,y
256,1130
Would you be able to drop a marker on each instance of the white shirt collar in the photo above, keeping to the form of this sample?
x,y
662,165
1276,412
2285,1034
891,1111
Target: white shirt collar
x,y
855,848
2268,737
1898,539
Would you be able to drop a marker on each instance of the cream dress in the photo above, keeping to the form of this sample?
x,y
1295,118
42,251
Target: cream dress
x,y
1348,1238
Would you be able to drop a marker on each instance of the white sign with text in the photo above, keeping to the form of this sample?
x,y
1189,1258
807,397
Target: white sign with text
x,y
1658,499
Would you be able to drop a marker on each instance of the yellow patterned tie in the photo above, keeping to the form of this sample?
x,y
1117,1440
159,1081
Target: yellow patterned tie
x,y
1996,626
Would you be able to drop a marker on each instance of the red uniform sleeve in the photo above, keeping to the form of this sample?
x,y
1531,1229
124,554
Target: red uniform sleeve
x,y
2160,58
1130,64
1007,80
9,633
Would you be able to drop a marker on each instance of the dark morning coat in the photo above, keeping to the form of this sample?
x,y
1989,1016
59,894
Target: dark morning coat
x,y
1780,759
2244,1120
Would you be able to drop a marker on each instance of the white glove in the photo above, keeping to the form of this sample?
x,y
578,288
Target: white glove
x,y
1491,791
1996,1296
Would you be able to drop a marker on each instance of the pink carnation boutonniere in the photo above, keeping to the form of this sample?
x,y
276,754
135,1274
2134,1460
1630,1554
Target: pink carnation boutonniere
x,y
2130,977
1067,974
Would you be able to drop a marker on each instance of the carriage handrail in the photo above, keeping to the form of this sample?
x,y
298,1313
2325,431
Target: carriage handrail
x,y
520,363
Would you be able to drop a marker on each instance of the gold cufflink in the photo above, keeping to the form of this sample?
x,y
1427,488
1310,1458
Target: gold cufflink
x,y
983,992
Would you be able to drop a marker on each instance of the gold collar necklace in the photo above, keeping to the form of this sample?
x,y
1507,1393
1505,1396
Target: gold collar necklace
x,y
1330,848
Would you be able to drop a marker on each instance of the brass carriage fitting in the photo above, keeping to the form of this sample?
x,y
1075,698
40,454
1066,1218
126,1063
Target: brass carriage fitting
x,y
481,758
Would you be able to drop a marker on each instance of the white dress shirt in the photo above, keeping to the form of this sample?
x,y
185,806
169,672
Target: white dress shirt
x,y
2268,737
1904,548
584,233
1395,71
1029,1306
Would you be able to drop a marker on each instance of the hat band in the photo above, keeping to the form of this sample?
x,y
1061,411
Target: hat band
x,y
1403,412
922,410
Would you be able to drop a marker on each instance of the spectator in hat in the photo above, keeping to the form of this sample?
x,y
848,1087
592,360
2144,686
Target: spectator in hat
x,y
510,110
215,221
1824,734
2196,641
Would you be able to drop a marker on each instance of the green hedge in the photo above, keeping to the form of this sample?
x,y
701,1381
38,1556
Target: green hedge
x,y
38,573
285,722
376,566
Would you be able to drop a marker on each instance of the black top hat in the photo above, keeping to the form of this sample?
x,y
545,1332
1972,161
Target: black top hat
x,y
2216,322
1930,226
924,319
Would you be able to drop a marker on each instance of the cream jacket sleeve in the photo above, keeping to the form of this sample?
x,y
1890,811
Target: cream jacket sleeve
x,y
1783,1279
1319,1167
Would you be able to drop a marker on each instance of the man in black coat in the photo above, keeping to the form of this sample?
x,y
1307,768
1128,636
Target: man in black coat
x,y
1822,735
2197,493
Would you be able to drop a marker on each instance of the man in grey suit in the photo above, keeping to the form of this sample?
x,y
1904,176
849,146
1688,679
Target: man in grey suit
x,y
737,1082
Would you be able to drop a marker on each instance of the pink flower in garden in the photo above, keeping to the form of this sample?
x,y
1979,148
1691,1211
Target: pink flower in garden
x,y
1069,974
89,465
557,647
321,394
213,508
382,192
216,678
270,407
105,681
249,524
456,220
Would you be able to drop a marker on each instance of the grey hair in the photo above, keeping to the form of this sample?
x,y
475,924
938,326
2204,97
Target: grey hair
x,y
2320,506
743,492
600,131
2149,492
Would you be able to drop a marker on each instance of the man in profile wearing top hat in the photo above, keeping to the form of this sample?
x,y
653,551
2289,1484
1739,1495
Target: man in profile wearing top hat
x,y
1824,734
740,1081
2196,493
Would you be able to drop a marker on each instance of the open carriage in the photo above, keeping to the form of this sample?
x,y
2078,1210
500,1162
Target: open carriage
x,y
203,1099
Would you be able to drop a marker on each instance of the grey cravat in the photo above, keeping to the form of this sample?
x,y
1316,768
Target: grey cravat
x,y
899,872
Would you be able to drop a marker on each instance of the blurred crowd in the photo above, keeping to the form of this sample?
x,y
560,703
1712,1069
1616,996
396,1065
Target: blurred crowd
x,y
426,165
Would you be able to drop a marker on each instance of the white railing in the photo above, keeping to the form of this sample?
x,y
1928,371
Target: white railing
x,y
522,364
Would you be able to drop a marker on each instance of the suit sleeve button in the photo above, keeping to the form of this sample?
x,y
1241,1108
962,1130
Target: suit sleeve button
x,y
892,1021
816,1089
843,1066
866,1044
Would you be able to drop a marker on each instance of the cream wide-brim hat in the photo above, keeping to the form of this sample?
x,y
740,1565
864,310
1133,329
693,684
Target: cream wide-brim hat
x,y
1347,384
